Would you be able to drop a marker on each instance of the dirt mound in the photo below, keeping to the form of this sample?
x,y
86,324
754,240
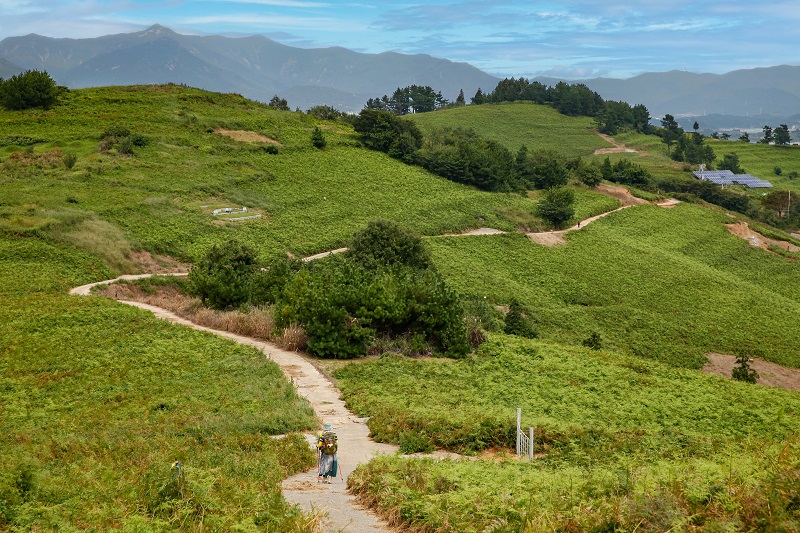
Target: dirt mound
x,y
769,374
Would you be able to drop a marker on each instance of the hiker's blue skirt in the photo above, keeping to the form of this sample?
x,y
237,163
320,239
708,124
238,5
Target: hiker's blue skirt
x,y
328,465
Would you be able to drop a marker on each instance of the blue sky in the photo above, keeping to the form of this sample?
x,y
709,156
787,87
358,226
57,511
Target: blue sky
x,y
571,39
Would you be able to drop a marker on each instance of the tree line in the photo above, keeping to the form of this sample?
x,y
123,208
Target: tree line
x,y
576,99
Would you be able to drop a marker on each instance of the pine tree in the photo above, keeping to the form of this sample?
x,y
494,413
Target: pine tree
x,y
742,370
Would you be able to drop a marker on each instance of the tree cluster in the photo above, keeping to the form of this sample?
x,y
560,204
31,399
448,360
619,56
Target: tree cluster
x,y
384,287
461,155
572,100
386,132
411,99
625,171
780,136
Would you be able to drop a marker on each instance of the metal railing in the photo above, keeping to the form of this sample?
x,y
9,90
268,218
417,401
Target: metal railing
x,y
525,442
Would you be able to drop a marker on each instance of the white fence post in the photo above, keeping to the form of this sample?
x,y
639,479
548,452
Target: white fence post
x,y
530,444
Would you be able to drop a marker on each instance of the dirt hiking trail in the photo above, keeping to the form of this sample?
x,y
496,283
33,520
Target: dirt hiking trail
x,y
339,509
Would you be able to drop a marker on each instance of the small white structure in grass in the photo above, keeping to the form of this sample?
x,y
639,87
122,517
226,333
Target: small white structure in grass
x,y
229,210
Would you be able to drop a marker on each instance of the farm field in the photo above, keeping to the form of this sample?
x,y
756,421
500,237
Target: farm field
x,y
98,400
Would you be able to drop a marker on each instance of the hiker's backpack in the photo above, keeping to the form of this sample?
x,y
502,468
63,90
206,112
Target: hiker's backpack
x,y
329,443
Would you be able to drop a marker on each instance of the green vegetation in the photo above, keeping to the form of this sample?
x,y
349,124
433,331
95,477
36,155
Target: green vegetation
x,y
648,289
621,443
517,124
31,88
100,400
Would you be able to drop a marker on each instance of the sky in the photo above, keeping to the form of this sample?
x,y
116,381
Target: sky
x,y
573,39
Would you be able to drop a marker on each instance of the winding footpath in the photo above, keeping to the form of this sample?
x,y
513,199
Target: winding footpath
x,y
339,509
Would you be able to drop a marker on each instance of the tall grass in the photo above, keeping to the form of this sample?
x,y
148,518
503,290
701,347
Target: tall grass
x,y
100,399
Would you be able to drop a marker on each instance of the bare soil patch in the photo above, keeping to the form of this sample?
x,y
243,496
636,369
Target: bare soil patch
x,y
741,229
549,238
769,374
617,148
246,136
620,193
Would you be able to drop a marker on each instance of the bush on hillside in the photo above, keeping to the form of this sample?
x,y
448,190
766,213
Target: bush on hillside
x,y
342,306
221,279
318,139
518,323
557,206
384,243
386,132
29,89
461,155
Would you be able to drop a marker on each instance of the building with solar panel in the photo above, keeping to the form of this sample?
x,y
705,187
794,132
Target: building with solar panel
x,y
726,177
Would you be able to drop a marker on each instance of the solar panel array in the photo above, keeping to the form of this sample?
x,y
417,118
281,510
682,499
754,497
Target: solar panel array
x,y
726,177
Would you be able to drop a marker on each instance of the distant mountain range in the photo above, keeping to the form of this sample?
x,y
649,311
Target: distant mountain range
x,y
259,68
256,67
744,98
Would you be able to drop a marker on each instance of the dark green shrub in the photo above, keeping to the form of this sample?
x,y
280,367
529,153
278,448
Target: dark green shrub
x,y
593,341
384,243
518,323
29,89
590,174
342,306
70,160
742,371
556,206
318,139
267,284
221,279
778,171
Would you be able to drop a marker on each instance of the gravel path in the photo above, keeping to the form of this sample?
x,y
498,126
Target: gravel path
x,y
340,510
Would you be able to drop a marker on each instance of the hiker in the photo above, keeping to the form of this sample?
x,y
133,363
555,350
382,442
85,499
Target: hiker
x,y
327,446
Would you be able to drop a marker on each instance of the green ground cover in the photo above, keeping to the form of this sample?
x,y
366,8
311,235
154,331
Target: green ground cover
x,y
667,284
98,399
312,199
92,422
520,123
618,440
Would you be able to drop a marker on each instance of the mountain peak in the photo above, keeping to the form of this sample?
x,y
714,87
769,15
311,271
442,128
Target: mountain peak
x,y
158,30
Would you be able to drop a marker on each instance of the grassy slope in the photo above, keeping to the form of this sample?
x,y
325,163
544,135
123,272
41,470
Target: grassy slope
x,y
613,430
312,200
521,123
627,276
668,284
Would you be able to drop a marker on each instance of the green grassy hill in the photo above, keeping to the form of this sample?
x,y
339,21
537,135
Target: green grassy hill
x,y
97,400
520,123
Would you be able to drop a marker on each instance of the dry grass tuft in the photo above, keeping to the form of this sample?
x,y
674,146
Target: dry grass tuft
x,y
293,338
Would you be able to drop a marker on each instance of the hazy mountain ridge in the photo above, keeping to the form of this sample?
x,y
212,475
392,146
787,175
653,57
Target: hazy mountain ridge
x,y
256,67
770,92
